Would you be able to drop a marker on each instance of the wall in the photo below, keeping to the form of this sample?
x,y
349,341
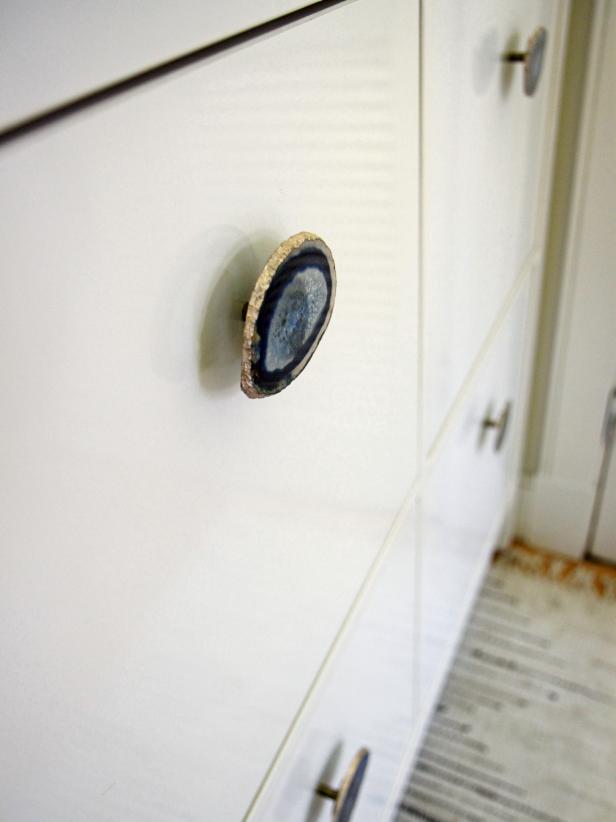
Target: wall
x,y
575,361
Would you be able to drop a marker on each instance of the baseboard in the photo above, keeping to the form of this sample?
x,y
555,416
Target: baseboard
x,y
554,513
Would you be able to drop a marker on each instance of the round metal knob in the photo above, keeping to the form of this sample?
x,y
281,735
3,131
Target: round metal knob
x,y
499,425
532,59
345,796
287,314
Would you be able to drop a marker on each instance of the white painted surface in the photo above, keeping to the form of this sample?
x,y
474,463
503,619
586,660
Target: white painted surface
x,y
52,51
554,512
177,559
365,698
585,364
464,503
484,144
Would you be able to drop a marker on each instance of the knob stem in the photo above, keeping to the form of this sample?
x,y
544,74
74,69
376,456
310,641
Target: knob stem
x,y
327,792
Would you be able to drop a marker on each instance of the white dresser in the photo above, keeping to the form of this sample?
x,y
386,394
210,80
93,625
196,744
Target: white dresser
x,y
209,603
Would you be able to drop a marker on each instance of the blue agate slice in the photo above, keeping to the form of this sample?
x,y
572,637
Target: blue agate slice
x,y
288,313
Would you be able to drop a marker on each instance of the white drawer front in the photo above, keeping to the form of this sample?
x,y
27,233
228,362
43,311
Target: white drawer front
x,y
52,51
483,146
365,698
465,500
177,558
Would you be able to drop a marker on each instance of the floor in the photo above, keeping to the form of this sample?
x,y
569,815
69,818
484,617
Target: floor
x,y
526,724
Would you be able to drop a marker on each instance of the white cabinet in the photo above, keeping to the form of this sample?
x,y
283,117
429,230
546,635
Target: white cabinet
x,y
55,51
177,559
366,697
208,603
465,497
484,154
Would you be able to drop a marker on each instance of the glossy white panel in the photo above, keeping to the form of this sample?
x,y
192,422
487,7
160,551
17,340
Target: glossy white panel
x,y
52,51
365,698
483,143
465,499
177,558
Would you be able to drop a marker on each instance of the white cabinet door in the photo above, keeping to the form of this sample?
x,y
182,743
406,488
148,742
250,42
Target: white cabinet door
x,y
483,142
176,558
465,500
365,698
53,51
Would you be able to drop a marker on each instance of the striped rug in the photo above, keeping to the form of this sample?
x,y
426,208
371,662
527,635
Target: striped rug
x,y
525,728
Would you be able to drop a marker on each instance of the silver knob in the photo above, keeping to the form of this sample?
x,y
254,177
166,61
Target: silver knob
x,y
345,796
532,59
499,424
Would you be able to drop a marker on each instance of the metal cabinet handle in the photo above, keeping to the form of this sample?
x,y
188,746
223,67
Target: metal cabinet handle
x,y
499,424
287,314
345,796
532,59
